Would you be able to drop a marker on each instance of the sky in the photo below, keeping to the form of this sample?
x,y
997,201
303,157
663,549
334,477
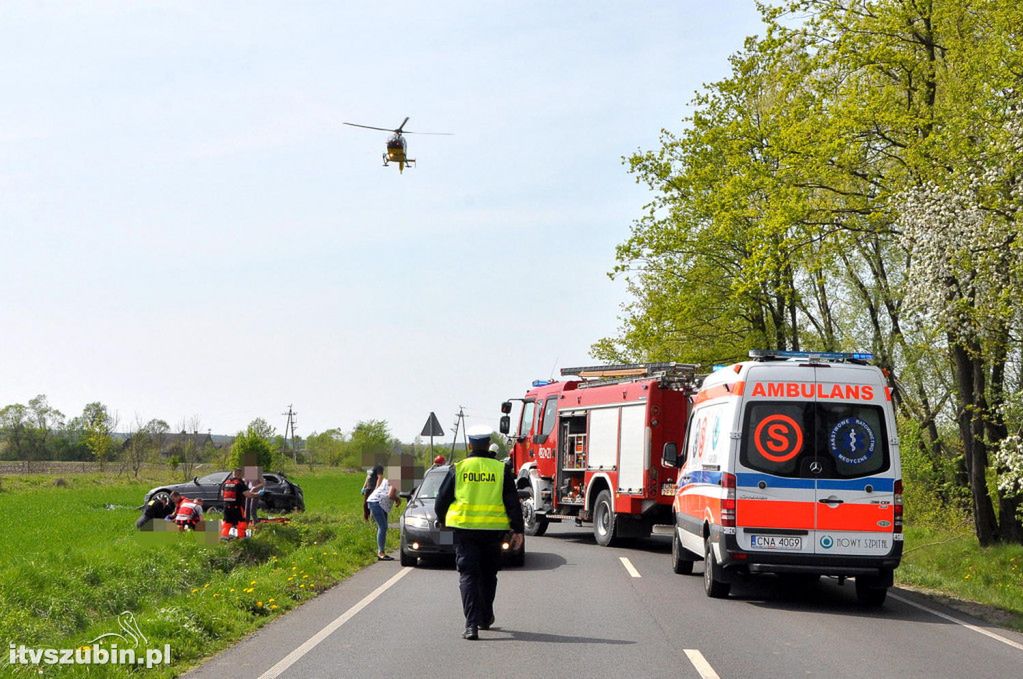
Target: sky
x,y
187,229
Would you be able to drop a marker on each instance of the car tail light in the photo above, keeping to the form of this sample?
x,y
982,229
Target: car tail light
x,y
728,503
898,506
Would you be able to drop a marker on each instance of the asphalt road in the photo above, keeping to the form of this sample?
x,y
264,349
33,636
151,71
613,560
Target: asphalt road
x,y
576,611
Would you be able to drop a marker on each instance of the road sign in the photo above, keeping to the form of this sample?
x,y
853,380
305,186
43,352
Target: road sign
x,y
432,427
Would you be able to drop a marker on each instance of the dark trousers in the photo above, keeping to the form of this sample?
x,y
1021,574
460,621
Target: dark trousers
x,y
478,558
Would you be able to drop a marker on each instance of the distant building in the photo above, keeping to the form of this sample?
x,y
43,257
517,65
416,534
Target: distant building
x,y
178,444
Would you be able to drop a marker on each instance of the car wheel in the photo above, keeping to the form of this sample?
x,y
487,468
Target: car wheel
x,y
869,593
713,583
604,520
535,525
163,495
681,560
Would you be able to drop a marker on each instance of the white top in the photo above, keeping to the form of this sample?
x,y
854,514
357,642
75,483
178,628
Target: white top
x,y
381,495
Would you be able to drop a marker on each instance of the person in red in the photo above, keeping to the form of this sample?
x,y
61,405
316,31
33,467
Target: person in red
x,y
189,513
234,492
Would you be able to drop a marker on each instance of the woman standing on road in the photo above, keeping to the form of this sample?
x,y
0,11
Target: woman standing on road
x,y
380,502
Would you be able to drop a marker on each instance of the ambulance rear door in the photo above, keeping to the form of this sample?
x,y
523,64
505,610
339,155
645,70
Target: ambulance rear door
x,y
855,472
775,488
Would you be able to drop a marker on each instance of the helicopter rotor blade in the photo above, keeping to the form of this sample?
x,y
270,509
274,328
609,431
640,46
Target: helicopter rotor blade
x,y
402,125
370,127
444,134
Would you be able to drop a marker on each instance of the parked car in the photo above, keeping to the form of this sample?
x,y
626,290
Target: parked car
x,y
281,493
421,536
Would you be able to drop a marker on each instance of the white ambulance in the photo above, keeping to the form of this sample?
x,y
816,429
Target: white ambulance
x,y
790,466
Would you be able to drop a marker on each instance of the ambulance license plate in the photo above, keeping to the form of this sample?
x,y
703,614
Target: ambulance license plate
x,y
667,489
780,542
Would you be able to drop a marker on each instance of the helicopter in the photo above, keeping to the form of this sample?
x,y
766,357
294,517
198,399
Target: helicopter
x,y
396,147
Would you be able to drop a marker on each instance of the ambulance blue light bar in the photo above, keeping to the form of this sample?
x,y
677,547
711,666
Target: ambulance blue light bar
x,y
542,383
812,355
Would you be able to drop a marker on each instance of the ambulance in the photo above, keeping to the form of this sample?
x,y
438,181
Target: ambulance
x,y
790,466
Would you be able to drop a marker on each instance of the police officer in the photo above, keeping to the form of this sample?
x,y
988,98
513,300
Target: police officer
x,y
158,508
478,500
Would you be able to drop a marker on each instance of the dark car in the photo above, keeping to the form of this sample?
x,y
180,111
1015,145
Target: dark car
x,y
420,534
281,494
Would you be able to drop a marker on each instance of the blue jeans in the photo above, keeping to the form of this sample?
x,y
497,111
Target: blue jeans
x,y
381,518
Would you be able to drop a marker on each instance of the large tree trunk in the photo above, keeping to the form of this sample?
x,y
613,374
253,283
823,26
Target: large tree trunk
x,y
969,375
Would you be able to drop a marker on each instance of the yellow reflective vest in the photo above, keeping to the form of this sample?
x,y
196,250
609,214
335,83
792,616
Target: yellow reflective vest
x,y
479,495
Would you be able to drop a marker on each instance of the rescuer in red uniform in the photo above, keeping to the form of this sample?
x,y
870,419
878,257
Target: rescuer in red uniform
x,y
479,502
233,493
189,513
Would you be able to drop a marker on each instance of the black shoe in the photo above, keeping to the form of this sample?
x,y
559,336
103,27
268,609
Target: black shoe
x,y
471,633
489,623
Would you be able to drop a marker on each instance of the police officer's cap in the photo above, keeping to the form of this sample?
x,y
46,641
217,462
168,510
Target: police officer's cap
x,y
479,432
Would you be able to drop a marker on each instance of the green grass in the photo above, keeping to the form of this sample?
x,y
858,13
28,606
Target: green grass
x,y
951,562
942,555
70,565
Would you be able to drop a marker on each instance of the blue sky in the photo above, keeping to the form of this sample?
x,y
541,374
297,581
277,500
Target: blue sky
x,y
188,229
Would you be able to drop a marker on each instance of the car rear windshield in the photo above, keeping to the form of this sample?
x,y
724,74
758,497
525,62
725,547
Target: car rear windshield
x,y
846,440
431,485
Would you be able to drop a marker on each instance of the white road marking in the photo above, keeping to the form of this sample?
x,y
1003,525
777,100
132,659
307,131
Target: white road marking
x,y
979,630
629,567
701,664
314,640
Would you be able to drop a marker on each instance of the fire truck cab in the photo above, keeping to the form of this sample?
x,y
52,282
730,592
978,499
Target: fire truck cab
x,y
583,447
791,467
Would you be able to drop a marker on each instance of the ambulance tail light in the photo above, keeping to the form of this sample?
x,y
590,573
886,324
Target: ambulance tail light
x,y
728,503
897,502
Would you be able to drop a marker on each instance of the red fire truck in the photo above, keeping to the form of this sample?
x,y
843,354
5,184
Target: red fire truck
x,y
589,448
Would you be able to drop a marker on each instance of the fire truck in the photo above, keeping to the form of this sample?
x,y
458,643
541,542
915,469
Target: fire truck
x,y
589,447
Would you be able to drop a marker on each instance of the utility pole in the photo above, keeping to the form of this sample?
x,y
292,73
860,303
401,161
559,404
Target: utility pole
x,y
459,421
290,428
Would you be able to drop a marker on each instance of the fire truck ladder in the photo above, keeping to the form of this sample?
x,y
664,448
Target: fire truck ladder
x,y
680,376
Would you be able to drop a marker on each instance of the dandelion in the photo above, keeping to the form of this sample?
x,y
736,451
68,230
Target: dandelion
x,y
253,582
194,590
273,607
232,589
271,600
249,590
259,604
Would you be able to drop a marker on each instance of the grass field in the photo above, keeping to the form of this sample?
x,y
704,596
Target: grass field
x,y
72,562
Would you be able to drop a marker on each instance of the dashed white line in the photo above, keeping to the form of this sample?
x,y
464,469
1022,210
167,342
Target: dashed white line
x,y
629,567
701,664
979,630
314,640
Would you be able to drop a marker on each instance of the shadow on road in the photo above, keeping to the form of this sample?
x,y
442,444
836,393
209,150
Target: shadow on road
x,y
657,544
540,561
517,635
824,598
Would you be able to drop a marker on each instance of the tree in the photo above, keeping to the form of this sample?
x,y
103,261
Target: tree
x,y
251,448
327,447
98,425
853,183
369,444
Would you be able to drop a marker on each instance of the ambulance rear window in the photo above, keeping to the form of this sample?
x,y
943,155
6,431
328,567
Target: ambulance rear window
x,y
777,437
854,437
814,440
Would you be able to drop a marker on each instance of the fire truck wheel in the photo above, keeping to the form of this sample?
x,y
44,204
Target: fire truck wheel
x,y
535,525
713,583
681,560
604,519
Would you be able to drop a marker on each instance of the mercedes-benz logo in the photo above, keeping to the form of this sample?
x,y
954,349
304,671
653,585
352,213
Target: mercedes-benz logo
x,y
815,467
